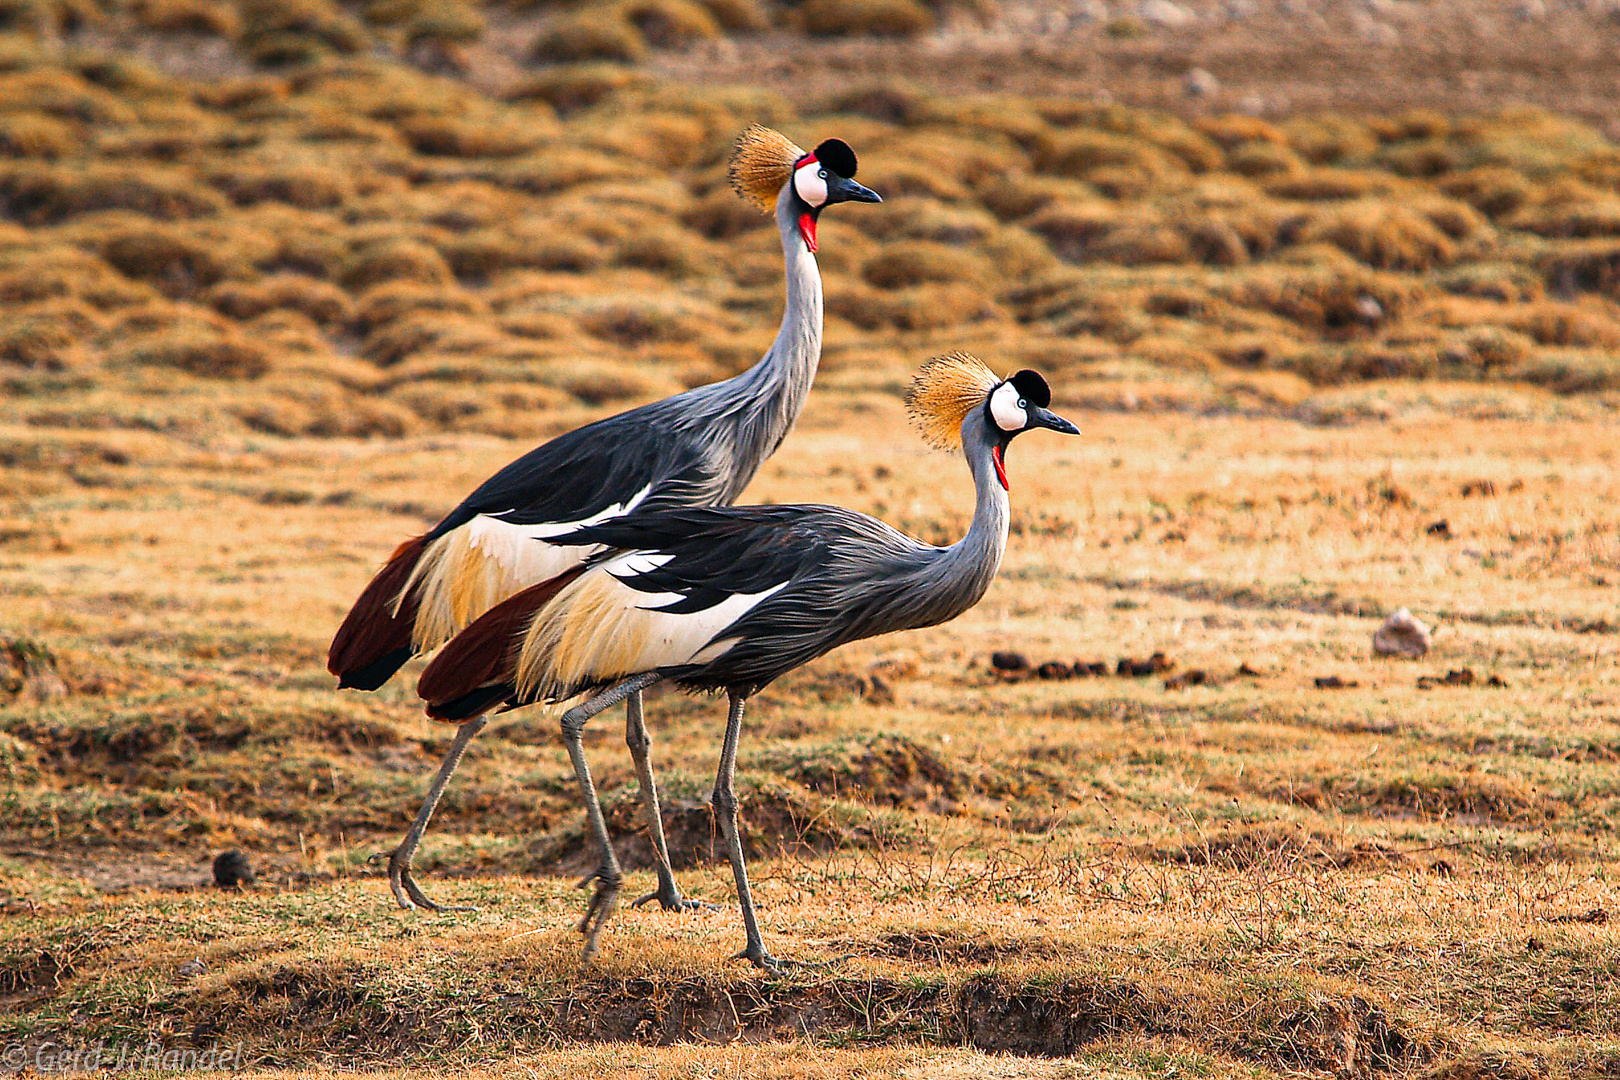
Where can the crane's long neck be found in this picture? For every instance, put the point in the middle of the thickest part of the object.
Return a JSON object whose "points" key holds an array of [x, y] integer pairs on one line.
{"points": [[774, 389], [979, 552], [957, 577]]}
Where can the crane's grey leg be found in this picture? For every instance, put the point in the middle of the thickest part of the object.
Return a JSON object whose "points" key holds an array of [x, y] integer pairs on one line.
{"points": [[725, 808], [668, 893], [406, 893], [607, 875]]}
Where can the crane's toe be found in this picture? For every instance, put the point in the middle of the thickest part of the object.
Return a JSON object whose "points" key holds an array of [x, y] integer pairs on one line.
{"points": [[604, 901], [762, 959], [670, 899], [408, 894], [601, 908]]}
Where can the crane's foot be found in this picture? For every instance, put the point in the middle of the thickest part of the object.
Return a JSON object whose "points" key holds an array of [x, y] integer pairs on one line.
{"points": [[407, 894], [604, 901], [756, 955], [670, 899], [762, 959]]}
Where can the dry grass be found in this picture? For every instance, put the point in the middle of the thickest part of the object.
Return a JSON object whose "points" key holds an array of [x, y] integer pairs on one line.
{"points": [[882, 18], [1248, 876], [255, 331]]}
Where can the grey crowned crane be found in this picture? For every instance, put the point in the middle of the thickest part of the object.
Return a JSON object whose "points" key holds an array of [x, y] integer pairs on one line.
{"points": [[697, 448], [731, 598]]}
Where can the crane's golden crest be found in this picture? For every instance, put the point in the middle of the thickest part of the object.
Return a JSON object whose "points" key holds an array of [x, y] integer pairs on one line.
{"points": [[761, 163], [943, 392]]}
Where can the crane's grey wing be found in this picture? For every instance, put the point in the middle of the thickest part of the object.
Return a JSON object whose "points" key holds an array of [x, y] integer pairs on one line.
{"points": [[592, 473], [808, 572], [682, 592], [515, 530]]}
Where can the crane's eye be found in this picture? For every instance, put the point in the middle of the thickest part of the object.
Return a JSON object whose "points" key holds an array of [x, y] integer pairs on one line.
{"points": [[1022, 404], [822, 173]]}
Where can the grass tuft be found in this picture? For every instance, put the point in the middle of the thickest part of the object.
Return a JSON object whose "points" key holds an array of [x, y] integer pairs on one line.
{"points": [[589, 36], [876, 18]]}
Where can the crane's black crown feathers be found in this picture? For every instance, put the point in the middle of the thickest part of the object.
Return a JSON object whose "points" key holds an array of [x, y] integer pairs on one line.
{"points": [[1032, 387], [838, 157]]}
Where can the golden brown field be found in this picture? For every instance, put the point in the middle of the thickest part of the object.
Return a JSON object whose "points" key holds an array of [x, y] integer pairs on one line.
{"points": [[261, 320]]}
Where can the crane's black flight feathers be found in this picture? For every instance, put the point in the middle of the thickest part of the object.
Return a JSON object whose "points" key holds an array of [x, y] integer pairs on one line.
{"points": [[587, 470]]}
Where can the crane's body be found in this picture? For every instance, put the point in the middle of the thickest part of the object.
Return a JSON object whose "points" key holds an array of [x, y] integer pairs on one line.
{"points": [[521, 526], [524, 524], [731, 598]]}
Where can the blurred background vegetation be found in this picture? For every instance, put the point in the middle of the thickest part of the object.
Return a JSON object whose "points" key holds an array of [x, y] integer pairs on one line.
{"points": [[399, 216]]}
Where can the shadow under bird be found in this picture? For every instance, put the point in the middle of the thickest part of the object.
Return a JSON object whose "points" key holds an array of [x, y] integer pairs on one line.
{"points": [[522, 525], [731, 598]]}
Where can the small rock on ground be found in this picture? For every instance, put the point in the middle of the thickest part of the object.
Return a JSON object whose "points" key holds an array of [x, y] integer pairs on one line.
{"points": [[1200, 84], [1402, 634], [232, 870]]}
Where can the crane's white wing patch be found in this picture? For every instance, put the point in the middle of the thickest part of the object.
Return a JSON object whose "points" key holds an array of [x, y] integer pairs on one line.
{"points": [[599, 628], [472, 568], [545, 530], [636, 563]]}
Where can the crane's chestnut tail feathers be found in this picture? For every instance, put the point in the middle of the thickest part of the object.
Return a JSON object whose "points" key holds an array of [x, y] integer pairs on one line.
{"points": [[373, 675], [375, 639], [471, 706], [475, 669]]}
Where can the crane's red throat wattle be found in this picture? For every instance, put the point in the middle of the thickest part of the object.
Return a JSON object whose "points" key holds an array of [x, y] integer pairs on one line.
{"points": [[807, 229], [1001, 469]]}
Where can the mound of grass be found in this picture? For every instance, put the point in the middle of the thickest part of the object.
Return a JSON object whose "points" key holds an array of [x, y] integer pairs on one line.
{"points": [[45, 337], [395, 258], [1385, 236], [200, 17], [386, 303], [39, 194], [571, 87], [915, 262], [284, 32], [324, 303], [196, 350], [671, 24], [880, 18], [474, 137], [590, 35], [179, 262]]}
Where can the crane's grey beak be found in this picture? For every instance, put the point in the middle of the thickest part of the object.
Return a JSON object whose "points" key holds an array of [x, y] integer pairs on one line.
{"points": [[843, 189], [1046, 418]]}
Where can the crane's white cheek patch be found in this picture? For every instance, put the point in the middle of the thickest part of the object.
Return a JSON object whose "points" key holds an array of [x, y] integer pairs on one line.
{"points": [[808, 183], [1004, 407]]}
